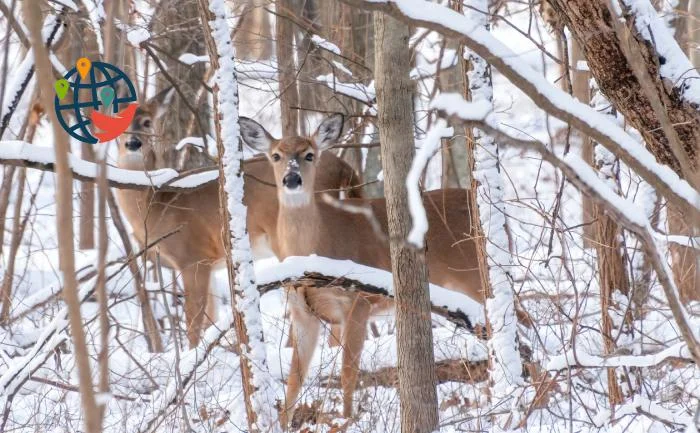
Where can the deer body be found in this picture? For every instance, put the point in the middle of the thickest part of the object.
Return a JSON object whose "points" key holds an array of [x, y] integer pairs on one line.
{"points": [[307, 225], [197, 246]]}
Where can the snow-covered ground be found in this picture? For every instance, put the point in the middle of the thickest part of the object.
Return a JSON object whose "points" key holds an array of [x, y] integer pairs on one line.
{"points": [[555, 277]]}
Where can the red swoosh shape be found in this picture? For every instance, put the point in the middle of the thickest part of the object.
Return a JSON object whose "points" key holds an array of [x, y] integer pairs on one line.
{"points": [[113, 126]]}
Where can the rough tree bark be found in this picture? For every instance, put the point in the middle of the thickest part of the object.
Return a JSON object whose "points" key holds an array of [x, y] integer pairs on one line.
{"points": [[416, 363], [178, 27], [612, 274], [64, 218], [592, 26], [288, 90]]}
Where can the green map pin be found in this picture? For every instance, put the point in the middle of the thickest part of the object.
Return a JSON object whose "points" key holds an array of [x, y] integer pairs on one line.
{"points": [[107, 95], [62, 87]]}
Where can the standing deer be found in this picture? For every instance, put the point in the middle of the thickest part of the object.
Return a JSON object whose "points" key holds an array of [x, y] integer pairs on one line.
{"points": [[307, 225], [198, 246]]}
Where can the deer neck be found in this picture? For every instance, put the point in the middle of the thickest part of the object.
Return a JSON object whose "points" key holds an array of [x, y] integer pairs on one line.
{"points": [[298, 228]]}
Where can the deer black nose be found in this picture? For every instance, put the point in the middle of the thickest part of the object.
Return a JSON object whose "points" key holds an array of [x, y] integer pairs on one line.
{"points": [[292, 180], [133, 143]]}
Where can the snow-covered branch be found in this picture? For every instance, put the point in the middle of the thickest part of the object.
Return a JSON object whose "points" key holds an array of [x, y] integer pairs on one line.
{"points": [[450, 23], [456, 307], [23, 154], [579, 173], [579, 358]]}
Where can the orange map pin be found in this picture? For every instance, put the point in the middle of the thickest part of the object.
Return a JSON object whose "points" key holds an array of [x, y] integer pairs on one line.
{"points": [[83, 64]]}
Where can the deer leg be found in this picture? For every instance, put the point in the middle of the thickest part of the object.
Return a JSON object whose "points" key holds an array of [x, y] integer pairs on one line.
{"points": [[354, 334], [304, 339], [212, 310], [195, 278], [336, 335]]}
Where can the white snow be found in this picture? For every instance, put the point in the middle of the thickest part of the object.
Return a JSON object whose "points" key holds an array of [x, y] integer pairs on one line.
{"points": [[247, 298], [429, 147], [676, 66], [138, 35], [325, 44], [267, 272]]}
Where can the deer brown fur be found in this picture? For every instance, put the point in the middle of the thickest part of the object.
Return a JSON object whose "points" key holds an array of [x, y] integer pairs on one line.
{"points": [[308, 225], [198, 246]]}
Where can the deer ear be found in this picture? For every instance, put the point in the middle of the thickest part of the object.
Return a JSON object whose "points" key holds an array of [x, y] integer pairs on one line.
{"points": [[329, 131], [160, 102], [254, 135]]}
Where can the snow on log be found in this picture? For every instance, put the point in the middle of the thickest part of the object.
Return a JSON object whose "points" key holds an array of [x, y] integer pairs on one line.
{"points": [[456, 307], [676, 67]]}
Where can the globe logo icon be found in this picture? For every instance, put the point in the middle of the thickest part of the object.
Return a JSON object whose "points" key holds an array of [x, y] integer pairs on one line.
{"points": [[101, 89]]}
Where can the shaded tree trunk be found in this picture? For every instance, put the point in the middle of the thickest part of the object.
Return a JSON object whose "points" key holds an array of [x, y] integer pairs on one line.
{"points": [[288, 90], [253, 35], [180, 32], [416, 363], [612, 274], [64, 219]]}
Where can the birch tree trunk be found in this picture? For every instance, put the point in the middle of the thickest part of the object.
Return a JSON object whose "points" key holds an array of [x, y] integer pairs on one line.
{"points": [[64, 218], [504, 356], [416, 363], [245, 299]]}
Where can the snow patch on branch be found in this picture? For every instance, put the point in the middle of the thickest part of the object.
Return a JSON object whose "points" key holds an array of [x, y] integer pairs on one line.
{"points": [[535, 85], [325, 44], [674, 64]]}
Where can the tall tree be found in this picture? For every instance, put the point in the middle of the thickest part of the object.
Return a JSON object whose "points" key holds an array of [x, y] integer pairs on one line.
{"points": [[245, 299], [416, 363], [488, 191], [287, 82], [64, 217]]}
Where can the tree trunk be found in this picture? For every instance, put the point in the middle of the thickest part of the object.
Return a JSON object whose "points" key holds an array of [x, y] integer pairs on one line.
{"points": [[416, 363], [592, 26], [579, 84], [180, 32], [245, 300], [64, 219], [686, 259], [494, 259], [288, 90], [612, 274], [253, 35]]}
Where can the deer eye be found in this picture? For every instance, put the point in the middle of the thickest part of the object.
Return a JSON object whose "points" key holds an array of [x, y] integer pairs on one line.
{"points": [[276, 157], [309, 157], [147, 123]]}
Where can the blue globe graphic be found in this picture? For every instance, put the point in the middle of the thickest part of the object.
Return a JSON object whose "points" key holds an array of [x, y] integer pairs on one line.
{"points": [[85, 95]]}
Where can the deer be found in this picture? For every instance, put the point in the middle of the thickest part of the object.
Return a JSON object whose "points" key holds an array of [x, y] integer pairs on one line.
{"points": [[308, 225], [197, 245]]}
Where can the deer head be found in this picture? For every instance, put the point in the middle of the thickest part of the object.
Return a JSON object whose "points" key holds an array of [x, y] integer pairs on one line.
{"points": [[137, 147], [294, 159]]}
